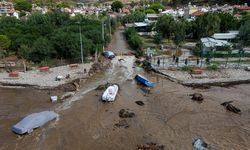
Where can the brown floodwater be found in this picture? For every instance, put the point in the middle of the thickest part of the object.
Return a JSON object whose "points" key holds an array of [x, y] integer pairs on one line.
{"points": [[169, 117]]}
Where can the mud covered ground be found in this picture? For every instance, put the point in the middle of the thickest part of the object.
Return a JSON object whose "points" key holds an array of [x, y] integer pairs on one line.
{"points": [[168, 117]]}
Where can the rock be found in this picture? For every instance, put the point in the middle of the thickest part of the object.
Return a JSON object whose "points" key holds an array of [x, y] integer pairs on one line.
{"points": [[126, 114], [139, 103], [122, 123], [150, 146], [197, 97], [231, 107]]}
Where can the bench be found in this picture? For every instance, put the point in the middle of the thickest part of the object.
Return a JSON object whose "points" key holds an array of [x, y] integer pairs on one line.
{"points": [[14, 74], [44, 69], [196, 71], [73, 66]]}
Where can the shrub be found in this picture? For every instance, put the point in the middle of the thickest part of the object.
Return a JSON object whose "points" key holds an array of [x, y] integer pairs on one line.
{"points": [[212, 67], [186, 68]]}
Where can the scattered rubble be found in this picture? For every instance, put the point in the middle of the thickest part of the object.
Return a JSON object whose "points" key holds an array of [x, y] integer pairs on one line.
{"points": [[230, 107], [126, 114], [67, 95], [103, 86], [99, 66], [139, 103], [150, 146], [122, 123], [197, 97], [53, 99]]}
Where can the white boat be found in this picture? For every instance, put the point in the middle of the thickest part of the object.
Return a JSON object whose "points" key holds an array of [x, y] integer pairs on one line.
{"points": [[110, 93]]}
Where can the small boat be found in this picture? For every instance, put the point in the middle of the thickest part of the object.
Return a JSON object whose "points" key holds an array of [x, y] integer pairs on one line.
{"points": [[33, 121], [110, 93], [144, 81]]}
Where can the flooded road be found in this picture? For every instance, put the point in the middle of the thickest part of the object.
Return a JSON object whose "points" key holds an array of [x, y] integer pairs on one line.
{"points": [[169, 116]]}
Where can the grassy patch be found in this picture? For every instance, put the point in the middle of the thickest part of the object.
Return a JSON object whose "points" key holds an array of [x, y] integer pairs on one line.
{"points": [[186, 68], [212, 67]]}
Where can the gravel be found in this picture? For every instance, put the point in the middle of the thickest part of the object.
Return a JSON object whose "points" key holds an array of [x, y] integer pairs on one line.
{"points": [[224, 75], [45, 79]]}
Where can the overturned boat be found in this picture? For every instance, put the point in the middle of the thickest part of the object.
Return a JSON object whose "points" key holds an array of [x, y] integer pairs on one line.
{"points": [[33, 121], [141, 79], [110, 93]]}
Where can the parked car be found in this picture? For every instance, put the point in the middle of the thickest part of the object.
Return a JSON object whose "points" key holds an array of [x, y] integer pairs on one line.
{"points": [[247, 68], [109, 54], [33, 121]]}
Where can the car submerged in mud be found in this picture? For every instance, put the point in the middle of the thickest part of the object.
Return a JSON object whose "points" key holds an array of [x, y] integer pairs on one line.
{"points": [[108, 54], [33, 121]]}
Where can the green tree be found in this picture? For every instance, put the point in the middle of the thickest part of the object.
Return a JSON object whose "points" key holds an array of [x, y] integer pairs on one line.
{"points": [[156, 7], [244, 34], [207, 24], [149, 11], [165, 25], [158, 38], [4, 44], [228, 22], [136, 42], [25, 51], [42, 50], [136, 16], [116, 6], [178, 33], [23, 5]]}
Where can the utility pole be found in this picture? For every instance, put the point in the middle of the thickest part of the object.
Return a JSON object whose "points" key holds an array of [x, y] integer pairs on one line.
{"points": [[102, 35], [81, 47], [110, 26]]}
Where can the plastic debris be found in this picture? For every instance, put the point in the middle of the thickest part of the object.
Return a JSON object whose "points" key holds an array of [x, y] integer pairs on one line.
{"points": [[53, 98]]}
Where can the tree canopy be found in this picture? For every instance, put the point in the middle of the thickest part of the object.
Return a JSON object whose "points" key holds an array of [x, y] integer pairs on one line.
{"points": [[51, 36], [178, 33], [244, 34], [116, 6], [156, 7], [23, 5], [4, 42], [207, 24], [165, 25], [136, 16]]}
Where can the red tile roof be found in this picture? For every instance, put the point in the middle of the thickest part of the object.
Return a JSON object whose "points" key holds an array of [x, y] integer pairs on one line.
{"points": [[245, 8]]}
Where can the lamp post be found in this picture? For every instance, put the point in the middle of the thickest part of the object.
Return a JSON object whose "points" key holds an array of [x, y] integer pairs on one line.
{"points": [[102, 35], [80, 31]]}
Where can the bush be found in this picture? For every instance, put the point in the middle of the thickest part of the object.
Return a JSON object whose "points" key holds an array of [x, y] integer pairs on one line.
{"points": [[134, 41], [212, 67], [186, 68]]}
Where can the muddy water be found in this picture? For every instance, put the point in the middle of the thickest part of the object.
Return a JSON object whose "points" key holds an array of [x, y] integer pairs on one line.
{"points": [[168, 117]]}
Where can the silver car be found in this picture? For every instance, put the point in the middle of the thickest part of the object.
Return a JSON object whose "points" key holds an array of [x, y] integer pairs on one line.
{"points": [[109, 54], [33, 121]]}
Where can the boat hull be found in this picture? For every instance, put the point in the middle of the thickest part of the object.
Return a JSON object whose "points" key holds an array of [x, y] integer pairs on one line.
{"points": [[110, 93], [144, 81]]}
